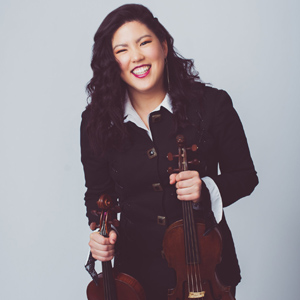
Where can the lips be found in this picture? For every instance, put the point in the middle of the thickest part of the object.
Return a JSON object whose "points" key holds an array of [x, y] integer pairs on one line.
{"points": [[141, 71]]}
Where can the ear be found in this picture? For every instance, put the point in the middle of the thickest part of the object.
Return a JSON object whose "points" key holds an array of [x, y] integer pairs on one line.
{"points": [[165, 47]]}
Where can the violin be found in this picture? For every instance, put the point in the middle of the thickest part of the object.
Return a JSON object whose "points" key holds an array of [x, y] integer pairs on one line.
{"points": [[191, 250], [111, 284]]}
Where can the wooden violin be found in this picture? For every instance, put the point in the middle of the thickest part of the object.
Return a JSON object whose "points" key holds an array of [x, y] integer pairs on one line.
{"points": [[111, 284], [191, 253]]}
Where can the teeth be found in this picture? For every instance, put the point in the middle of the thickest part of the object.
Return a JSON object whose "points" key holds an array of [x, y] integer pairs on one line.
{"points": [[141, 70]]}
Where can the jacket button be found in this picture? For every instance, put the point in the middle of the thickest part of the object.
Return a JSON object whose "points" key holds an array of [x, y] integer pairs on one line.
{"points": [[151, 153], [161, 220], [157, 187], [155, 118]]}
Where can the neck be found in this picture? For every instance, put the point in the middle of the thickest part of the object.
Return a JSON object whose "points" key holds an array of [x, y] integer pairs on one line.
{"points": [[144, 103]]}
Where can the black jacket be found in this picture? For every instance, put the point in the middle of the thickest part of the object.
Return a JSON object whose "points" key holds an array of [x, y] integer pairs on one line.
{"points": [[137, 176]]}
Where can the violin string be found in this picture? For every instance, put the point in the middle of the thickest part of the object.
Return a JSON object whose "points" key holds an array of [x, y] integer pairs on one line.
{"points": [[191, 241], [105, 266], [191, 259], [192, 256], [109, 287], [105, 279], [195, 251], [197, 259], [187, 245], [183, 167], [195, 288], [188, 232]]}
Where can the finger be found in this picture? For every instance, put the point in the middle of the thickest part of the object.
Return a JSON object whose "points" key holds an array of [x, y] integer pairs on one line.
{"points": [[99, 239], [189, 197], [112, 237], [190, 182], [100, 247], [172, 178], [184, 175], [191, 193], [187, 191], [101, 244], [103, 255], [93, 225]]}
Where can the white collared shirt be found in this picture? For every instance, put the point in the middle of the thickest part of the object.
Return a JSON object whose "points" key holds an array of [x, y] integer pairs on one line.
{"points": [[130, 115]]}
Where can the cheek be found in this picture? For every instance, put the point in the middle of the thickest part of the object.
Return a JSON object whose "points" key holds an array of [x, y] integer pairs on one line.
{"points": [[124, 69], [122, 63], [159, 57]]}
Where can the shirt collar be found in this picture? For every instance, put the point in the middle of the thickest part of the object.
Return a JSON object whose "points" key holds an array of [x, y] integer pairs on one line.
{"points": [[131, 115]]}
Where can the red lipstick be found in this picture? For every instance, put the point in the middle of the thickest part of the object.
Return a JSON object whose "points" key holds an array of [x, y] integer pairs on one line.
{"points": [[143, 72]]}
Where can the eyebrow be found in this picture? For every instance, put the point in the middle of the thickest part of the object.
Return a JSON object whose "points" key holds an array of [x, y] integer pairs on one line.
{"points": [[140, 38]]}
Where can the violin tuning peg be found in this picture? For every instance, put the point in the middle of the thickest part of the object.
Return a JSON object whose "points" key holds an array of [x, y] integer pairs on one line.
{"points": [[170, 156], [170, 170], [193, 148]]}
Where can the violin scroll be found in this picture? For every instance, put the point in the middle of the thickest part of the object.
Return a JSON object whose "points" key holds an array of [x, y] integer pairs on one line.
{"points": [[107, 209]]}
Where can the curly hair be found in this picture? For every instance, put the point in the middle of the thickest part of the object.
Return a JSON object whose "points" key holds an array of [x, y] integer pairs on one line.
{"points": [[106, 90]]}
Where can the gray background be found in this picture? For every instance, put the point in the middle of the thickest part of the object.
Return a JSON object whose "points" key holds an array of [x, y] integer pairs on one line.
{"points": [[249, 48]]}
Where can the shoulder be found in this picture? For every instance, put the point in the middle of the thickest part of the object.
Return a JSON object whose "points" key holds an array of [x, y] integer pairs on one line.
{"points": [[210, 95], [209, 100], [85, 117], [86, 114]]}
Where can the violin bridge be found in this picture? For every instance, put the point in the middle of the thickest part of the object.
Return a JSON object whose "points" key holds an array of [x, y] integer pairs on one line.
{"points": [[195, 295]]}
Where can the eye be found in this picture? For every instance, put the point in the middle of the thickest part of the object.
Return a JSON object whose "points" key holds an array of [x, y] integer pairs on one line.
{"points": [[145, 42], [120, 51]]}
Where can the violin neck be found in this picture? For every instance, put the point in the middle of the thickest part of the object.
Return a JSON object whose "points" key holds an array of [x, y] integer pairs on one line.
{"points": [[108, 281], [190, 235]]}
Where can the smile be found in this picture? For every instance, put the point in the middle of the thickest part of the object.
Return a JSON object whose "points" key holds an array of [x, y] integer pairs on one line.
{"points": [[141, 71]]}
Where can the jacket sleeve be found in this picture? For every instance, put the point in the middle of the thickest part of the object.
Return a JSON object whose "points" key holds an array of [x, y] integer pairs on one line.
{"points": [[237, 176], [96, 172]]}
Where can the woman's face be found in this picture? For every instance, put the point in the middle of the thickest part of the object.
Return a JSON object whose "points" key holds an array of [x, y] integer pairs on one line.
{"points": [[141, 57]]}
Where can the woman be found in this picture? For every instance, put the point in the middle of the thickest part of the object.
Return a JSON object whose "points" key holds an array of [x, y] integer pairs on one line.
{"points": [[142, 95]]}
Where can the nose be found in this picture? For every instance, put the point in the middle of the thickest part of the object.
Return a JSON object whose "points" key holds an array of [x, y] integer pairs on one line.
{"points": [[137, 56]]}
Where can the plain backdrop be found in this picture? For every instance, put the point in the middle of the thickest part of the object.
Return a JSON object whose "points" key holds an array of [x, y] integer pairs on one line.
{"points": [[249, 48]]}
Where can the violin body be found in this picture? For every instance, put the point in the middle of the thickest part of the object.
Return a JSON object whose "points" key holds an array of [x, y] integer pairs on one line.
{"points": [[210, 248], [126, 288]]}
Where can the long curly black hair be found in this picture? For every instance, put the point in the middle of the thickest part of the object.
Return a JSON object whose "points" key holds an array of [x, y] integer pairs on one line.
{"points": [[106, 90]]}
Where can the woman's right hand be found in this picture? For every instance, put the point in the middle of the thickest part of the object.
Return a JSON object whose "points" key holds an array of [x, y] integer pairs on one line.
{"points": [[102, 248]]}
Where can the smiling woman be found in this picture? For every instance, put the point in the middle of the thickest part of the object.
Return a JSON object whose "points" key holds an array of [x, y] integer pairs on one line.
{"points": [[142, 95]]}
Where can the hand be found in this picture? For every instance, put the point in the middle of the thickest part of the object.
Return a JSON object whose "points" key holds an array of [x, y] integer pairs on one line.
{"points": [[102, 248], [188, 185]]}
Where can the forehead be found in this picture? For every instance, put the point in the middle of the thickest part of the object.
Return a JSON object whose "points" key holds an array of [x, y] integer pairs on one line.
{"points": [[130, 31]]}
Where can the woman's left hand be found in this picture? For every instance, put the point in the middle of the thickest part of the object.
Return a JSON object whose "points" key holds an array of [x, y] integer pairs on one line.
{"points": [[188, 185]]}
